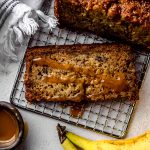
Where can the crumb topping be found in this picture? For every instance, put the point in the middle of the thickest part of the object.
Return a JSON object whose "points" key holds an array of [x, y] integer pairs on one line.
{"points": [[134, 11]]}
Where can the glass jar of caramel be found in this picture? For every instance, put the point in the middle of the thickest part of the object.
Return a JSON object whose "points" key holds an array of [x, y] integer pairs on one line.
{"points": [[11, 127]]}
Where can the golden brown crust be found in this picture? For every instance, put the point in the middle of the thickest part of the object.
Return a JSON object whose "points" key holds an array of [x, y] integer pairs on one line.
{"points": [[133, 11], [32, 77], [56, 9], [125, 20]]}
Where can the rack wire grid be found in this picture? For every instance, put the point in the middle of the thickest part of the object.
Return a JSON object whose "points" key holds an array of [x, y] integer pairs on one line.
{"points": [[111, 118]]}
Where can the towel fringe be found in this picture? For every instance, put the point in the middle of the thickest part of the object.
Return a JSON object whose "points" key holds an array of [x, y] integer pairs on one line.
{"points": [[28, 25], [45, 21], [25, 27]]}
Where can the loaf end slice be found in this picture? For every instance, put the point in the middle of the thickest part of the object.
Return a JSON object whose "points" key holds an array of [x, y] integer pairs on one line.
{"points": [[120, 20]]}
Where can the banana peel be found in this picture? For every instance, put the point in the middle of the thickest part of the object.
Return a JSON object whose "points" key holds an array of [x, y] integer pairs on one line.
{"points": [[67, 145], [137, 143], [141, 142]]}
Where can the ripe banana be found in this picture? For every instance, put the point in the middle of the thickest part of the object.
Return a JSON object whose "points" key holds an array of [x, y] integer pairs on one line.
{"points": [[141, 142], [67, 145]]}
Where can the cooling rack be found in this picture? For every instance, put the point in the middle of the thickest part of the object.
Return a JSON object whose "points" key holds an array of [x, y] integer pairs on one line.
{"points": [[111, 118]]}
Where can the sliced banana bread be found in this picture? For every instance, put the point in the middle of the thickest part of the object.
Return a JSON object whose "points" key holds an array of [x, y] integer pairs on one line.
{"points": [[80, 72], [126, 20]]}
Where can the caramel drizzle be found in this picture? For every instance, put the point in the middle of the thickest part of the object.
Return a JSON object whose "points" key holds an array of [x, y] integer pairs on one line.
{"points": [[55, 65], [54, 79], [117, 83]]}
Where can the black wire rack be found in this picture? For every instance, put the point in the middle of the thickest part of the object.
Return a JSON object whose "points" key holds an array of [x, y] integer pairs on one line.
{"points": [[111, 118]]}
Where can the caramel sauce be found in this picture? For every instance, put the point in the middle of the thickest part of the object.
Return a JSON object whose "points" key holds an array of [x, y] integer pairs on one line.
{"points": [[55, 65], [116, 82], [9, 128], [76, 111], [54, 79]]}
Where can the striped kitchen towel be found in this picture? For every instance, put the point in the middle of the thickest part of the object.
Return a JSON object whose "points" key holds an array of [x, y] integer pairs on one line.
{"points": [[18, 22]]}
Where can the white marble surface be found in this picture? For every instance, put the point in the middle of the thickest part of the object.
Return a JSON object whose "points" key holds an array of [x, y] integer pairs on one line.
{"points": [[42, 133]]}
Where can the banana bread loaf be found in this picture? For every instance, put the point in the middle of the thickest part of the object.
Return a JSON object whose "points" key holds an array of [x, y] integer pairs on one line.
{"points": [[125, 20], [80, 72]]}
